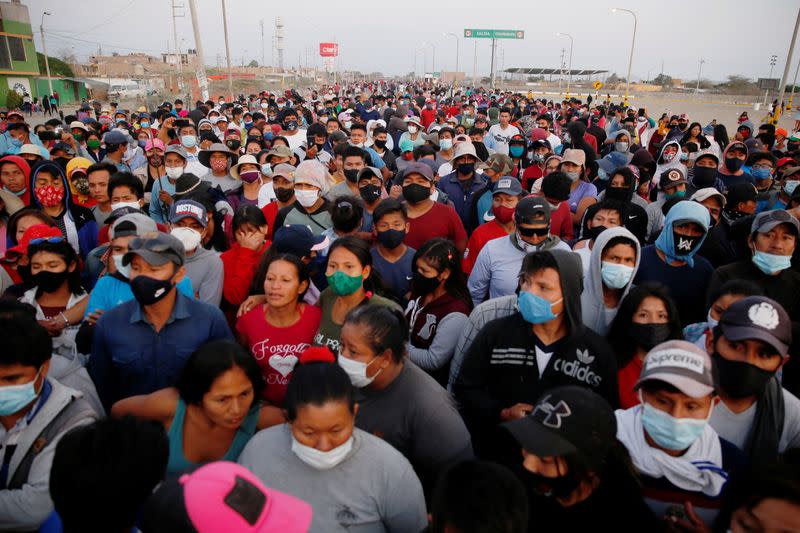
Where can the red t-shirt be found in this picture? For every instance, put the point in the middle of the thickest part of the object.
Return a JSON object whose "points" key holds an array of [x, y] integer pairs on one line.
{"points": [[561, 222], [627, 376], [482, 234], [531, 174], [276, 350], [439, 221]]}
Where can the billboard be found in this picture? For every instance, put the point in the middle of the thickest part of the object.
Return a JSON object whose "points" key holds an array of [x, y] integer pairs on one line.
{"points": [[328, 49]]}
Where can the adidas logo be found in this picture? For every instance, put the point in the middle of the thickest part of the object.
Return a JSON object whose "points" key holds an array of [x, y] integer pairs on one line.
{"points": [[584, 357]]}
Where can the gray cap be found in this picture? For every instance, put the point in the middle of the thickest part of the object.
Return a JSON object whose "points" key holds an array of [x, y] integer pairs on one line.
{"points": [[681, 364], [177, 149], [419, 168], [507, 185], [132, 224], [366, 171], [758, 318], [767, 220], [338, 136], [529, 208], [156, 249], [115, 137]]}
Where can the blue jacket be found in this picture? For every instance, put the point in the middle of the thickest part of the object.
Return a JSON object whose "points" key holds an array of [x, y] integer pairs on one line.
{"points": [[7, 147], [461, 196]]}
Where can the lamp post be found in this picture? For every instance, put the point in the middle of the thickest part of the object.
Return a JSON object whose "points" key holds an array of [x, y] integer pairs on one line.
{"points": [[456, 72], [569, 73], [433, 61], [699, 70], [44, 49], [633, 43]]}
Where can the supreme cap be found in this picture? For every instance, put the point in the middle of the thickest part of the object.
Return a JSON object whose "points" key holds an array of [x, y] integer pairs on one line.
{"points": [[681, 364]]}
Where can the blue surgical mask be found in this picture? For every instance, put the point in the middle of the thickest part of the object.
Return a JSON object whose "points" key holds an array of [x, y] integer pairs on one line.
{"points": [[188, 141], [684, 156], [761, 173], [602, 174], [266, 169], [669, 432], [771, 263], [535, 309], [144, 124], [445, 144], [789, 186], [516, 151], [15, 397], [615, 275], [16, 142]]}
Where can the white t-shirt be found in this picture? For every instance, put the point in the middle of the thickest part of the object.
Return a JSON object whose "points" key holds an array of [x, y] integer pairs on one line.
{"points": [[736, 427], [297, 140], [502, 136]]}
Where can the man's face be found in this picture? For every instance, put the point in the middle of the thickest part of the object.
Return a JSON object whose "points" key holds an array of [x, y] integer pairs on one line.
{"points": [[124, 194], [534, 232], [12, 177], [45, 178], [714, 208], [505, 200], [690, 229], [620, 254], [18, 133], [191, 223], [118, 246], [357, 136], [605, 217], [754, 352], [353, 163], [705, 162], [18, 374], [737, 153], [780, 240], [679, 405], [98, 186], [546, 284], [505, 117], [169, 270], [174, 160]]}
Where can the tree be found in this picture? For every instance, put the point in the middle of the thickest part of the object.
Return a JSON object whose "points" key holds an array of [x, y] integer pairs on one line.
{"points": [[737, 84], [253, 63], [13, 99], [67, 56], [663, 79], [611, 80], [57, 67]]}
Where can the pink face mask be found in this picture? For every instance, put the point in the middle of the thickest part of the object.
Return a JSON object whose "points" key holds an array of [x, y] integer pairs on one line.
{"points": [[219, 166]]}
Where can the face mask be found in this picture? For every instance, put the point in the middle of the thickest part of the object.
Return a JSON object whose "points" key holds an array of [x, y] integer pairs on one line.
{"points": [[554, 487], [351, 174], [233, 144], [124, 270], [141, 143], [117, 205], [538, 158], [621, 147], [711, 322], [594, 232], [155, 160], [413, 129], [144, 124], [445, 144], [16, 142], [49, 196], [248, 125], [669, 432], [566, 137], [620, 194], [174, 173], [740, 380], [380, 144], [13, 398], [676, 194], [283, 195], [668, 157], [684, 245], [647, 336], [466, 169], [322, 460], [684, 156], [347, 124], [416, 193], [291, 125], [503, 214], [264, 105], [266, 169], [343, 285], [281, 106], [733, 163], [704, 177], [391, 238], [306, 198], [423, 285], [219, 166], [357, 371], [771, 263], [148, 291], [81, 184], [615, 275], [93, 144], [535, 309], [516, 151], [189, 238], [370, 193], [78, 136], [130, 152], [573, 176], [789, 186], [188, 141], [251, 176], [49, 281]]}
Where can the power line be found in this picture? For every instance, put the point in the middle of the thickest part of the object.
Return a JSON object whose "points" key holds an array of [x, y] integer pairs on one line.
{"points": [[105, 20]]}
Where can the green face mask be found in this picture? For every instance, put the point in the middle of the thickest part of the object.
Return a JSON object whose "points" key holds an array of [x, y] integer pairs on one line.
{"points": [[676, 194], [343, 285], [93, 144]]}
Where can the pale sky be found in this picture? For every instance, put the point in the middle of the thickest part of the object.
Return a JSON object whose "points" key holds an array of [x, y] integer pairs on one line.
{"points": [[733, 36]]}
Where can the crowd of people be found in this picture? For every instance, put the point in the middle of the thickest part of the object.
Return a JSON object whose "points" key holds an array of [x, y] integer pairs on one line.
{"points": [[398, 307]]}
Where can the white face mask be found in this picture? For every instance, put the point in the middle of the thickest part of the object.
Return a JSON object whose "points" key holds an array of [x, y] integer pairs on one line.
{"points": [[306, 198], [357, 371], [412, 130], [322, 460], [121, 269], [174, 173], [711, 322], [189, 238], [134, 205]]}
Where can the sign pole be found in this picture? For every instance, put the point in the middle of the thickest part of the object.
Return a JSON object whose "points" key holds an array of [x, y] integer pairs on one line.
{"points": [[491, 68]]}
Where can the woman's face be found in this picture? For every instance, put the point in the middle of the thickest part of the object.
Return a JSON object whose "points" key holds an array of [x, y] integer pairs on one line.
{"points": [[282, 286], [617, 181], [50, 262], [651, 311], [323, 427], [229, 399], [552, 166], [24, 223], [342, 259], [355, 345], [696, 131]]}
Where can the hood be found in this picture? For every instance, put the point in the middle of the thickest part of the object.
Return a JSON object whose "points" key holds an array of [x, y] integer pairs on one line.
{"points": [[722, 169], [570, 271], [683, 211], [643, 158], [56, 169], [749, 125], [617, 133], [592, 305], [23, 165], [662, 167]]}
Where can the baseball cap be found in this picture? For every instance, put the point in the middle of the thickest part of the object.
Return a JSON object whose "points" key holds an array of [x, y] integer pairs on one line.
{"points": [[498, 163], [115, 137], [701, 195], [177, 149], [367, 171], [224, 496], [298, 240], [464, 148], [33, 233], [188, 209], [784, 161], [338, 136], [767, 220], [565, 421], [285, 170], [153, 143], [62, 146], [77, 124], [681, 364], [573, 155], [280, 151], [508, 185], [672, 177], [530, 207], [132, 224], [156, 248], [419, 168], [313, 173], [758, 318]]}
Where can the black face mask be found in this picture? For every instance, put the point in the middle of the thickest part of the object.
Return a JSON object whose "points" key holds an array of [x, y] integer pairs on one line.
{"points": [[351, 174], [619, 194], [704, 177], [370, 193], [391, 238], [466, 169], [648, 336], [593, 233], [554, 487], [283, 195], [233, 144], [415, 193], [254, 139], [733, 163], [380, 144], [423, 285], [148, 291], [48, 281], [739, 379], [684, 245]]}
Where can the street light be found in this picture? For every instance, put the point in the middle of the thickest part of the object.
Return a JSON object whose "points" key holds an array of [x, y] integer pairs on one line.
{"points": [[633, 43], [455, 81], [433, 62], [44, 49], [699, 70], [569, 74]]}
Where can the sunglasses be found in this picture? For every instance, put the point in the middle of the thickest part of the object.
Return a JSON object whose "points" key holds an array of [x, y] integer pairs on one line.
{"points": [[40, 240], [149, 244], [530, 232]]}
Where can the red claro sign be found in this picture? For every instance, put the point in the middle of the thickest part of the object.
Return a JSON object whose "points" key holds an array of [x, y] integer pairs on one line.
{"points": [[328, 49]]}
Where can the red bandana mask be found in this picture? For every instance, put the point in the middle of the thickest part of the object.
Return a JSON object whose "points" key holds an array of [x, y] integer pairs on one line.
{"points": [[49, 195]]}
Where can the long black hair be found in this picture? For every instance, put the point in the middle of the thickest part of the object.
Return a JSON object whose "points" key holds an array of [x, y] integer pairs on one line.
{"points": [[721, 136], [359, 248], [442, 254], [209, 362], [704, 143]]}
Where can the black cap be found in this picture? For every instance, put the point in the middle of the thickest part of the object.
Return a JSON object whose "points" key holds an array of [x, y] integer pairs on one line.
{"points": [[758, 318], [531, 207], [298, 240], [568, 420]]}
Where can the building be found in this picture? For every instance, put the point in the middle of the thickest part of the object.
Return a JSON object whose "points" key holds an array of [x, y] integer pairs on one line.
{"points": [[19, 66]]}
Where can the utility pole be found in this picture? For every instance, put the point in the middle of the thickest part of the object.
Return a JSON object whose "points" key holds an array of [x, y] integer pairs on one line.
{"points": [[777, 113], [561, 70], [263, 61], [491, 68], [227, 50], [699, 70], [475, 65], [202, 79], [791, 95], [44, 49], [772, 60], [175, 7]]}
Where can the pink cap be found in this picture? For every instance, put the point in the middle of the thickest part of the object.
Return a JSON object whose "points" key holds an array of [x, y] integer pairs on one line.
{"points": [[153, 143], [226, 497]]}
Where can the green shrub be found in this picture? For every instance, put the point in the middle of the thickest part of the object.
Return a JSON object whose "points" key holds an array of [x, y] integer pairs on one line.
{"points": [[13, 99]]}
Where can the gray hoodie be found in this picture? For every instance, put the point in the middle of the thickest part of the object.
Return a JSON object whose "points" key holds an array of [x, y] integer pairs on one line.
{"points": [[596, 316], [205, 271]]}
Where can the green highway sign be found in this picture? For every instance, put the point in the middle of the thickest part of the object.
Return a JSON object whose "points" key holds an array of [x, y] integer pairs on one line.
{"points": [[493, 34]]}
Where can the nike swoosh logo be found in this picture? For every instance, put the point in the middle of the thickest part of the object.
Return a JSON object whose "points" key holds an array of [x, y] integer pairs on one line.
{"points": [[408, 278], [631, 216]]}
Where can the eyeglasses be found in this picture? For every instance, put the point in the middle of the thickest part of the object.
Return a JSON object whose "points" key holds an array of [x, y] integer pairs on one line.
{"points": [[40, 240], [530, 232]]}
